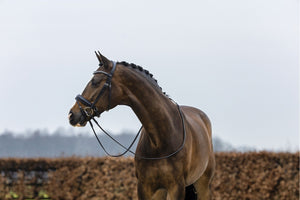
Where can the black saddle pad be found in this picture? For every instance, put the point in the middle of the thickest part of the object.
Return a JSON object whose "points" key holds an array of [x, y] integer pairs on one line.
{"points": [[190, 193]]}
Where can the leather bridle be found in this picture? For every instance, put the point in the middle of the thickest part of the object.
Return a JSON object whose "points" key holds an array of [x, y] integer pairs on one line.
{"points": [[91, 110]]}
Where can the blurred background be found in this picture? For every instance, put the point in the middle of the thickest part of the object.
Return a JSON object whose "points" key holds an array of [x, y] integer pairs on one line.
{"points": [[238, 61]]}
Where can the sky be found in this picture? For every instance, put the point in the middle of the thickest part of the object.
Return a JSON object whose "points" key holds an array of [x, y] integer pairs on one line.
{"points": [[236, 60]]}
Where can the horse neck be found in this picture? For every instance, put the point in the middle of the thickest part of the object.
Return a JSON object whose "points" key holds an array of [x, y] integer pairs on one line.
{"points": [[157, 113]]}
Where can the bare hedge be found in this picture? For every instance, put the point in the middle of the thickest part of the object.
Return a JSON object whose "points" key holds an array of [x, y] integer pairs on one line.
{"points": [[250, 176]]}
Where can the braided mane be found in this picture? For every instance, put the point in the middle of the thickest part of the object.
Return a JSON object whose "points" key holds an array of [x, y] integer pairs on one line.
{"points": [[144, 72]]}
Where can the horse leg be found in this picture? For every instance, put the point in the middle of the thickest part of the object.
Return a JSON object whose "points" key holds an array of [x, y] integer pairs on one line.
{"points": [[160, 194], [202, 185], [177, 192], [202, 188], [144, 193]]}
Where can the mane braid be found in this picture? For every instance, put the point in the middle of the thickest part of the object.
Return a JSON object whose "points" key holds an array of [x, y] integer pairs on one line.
{"points": [[144, 71]]}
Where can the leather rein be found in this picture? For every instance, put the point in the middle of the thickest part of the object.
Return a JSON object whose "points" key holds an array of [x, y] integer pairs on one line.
{"points": [[90, 111]]}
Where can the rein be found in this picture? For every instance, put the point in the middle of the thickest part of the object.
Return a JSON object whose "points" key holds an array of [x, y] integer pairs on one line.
{"points": [[90, 111]]}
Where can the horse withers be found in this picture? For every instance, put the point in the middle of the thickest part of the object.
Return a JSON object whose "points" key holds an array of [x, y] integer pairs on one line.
{"points": [[174, 158]]}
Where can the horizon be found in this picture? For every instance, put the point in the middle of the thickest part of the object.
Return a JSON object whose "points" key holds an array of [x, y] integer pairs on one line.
{"points": [[71, 133]]}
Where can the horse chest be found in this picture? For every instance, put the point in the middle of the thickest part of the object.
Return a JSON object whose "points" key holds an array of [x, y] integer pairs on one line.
{"points": [[155, 171]]}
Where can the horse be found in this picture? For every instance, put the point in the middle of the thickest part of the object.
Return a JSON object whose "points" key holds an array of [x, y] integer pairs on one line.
{"points": [[174, 155]]}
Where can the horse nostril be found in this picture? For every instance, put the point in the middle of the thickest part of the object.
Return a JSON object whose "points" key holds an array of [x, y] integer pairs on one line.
{"points": [[70, 116]]}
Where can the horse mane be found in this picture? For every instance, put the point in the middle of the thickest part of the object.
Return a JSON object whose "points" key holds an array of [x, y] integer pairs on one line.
{"points": [[144, 72]]}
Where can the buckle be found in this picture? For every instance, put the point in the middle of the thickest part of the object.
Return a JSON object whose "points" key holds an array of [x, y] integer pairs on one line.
{"points": [[107, 84], [89, 111]]}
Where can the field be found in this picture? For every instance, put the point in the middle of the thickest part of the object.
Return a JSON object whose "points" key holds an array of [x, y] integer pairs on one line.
{"points": [[256, 176]]}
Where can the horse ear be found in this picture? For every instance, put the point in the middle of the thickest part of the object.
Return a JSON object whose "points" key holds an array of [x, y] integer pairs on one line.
{"points": [[103, 61]]}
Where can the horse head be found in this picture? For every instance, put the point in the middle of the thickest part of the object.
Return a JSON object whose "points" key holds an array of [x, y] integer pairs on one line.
{"points": [[102, 92]]}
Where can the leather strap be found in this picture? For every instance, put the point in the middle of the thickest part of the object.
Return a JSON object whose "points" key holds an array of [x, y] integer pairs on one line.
{"points": [[92, 106]]}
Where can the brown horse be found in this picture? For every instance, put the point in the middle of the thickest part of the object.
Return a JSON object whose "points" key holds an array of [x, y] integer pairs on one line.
{"points": [[171, 167]]}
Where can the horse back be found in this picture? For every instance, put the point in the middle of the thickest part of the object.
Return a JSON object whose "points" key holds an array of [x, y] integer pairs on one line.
{"points": [[194, 115]]}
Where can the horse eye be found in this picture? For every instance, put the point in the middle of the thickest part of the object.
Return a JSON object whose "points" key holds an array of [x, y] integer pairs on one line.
{"points": [[95, 82]]}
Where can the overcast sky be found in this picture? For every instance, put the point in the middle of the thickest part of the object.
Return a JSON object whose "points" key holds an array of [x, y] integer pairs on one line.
{"points": [[236, 60]]}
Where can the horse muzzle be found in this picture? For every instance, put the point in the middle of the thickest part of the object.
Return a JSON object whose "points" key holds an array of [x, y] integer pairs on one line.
{"points": [[77, 119]]}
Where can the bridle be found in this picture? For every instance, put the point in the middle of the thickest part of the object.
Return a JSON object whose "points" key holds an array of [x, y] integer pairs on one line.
{"points": [[90, 111]]}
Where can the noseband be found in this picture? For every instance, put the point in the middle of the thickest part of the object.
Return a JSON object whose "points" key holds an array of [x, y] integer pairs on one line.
{"points": [[91, 110]]}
